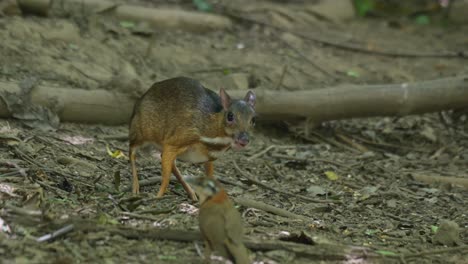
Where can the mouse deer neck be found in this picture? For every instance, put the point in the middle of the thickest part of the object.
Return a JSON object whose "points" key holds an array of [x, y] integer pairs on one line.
{"points": [[219, 125]]}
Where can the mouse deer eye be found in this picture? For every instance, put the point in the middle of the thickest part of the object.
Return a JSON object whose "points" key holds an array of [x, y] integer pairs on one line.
{"points": [[230, 117]]}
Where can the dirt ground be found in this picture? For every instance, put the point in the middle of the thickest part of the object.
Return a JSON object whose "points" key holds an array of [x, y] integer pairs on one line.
{"points": [[363, 179]]}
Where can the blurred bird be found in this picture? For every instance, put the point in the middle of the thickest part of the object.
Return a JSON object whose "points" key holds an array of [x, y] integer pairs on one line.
{"points": [[220, 222]]}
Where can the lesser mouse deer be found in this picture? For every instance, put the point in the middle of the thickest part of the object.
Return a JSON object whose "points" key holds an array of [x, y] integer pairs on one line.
{"points": [[188, 122]]}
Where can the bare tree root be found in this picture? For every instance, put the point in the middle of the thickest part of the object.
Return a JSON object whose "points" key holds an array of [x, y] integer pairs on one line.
{"points": [[159, 18]]}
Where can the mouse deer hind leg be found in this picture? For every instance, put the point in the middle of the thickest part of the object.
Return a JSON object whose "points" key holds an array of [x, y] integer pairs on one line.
{"points": [[168, 157], [187, 187], [132, 155]]}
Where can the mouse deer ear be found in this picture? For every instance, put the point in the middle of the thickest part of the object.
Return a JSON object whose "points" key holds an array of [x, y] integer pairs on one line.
{"points": [[225, 99], [250, 99]]}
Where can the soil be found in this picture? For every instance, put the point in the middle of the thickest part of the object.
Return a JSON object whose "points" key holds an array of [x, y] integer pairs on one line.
{"points": [[363, 173]]}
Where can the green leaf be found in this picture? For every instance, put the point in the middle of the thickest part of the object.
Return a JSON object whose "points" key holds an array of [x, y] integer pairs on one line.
{"points": [[386, 253], [363, 7], [370, 232], [434, 228], [332, 176], [202, 5], [226, 71], [352, 74], [422, 20], [73, 46], [127, 24], [106, 219]]}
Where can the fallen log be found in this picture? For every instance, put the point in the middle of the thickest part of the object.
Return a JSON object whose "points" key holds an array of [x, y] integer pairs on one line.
{"points": [[341, 102], [36, 7], [159, 18], [433, 179]]}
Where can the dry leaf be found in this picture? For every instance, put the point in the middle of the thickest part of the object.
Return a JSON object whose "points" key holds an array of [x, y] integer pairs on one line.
{"points": [[332, 176]]}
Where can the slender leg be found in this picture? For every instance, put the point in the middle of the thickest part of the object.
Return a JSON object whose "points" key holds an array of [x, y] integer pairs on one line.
{"points": [[187, 187], [135, 185], [209, 169], [168, 157]]}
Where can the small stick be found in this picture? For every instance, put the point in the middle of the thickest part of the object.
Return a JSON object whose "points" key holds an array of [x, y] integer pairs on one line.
{"points": [[280, 156], [121, 137], [198, 249], [352, 143], [326, 73], [280, 82], [459, 249], [248, 177], [389, 145], [148, 182], [157, 211], [225, 181], [254, 156], [269, 208], [22, 211], [56, 234], [328, 141], [138, 216], [430, 179], [350, 47]]}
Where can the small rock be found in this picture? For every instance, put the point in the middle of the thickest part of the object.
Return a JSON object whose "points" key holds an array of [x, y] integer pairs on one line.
{"points": [[392, 203], [315, 190], [63, 31], [291, 39], [448, 234], [334, 10], [429, 133], [280, 21]]}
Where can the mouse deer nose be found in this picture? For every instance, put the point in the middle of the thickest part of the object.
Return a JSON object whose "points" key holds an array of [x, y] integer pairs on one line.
{"points": [[243, 138]]}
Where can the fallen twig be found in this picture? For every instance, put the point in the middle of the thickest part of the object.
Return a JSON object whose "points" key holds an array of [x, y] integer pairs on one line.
{"points": [[226, 181], [251, 179], [460, 249], [256, 155], [326, 73], [280, 156], [348, 46], [55, 234], [306, 136], [430, 179], [148, 182], [122, 137], [283, 73], [139, 216], [352, 143], [269, 208], [388, 145], [22, 211]]}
